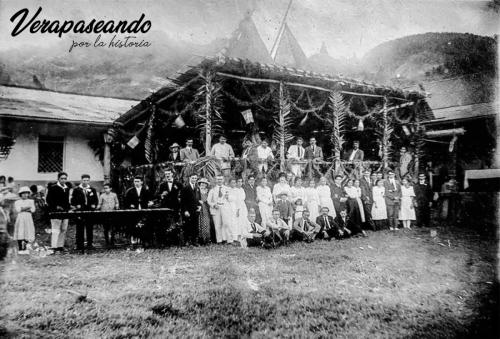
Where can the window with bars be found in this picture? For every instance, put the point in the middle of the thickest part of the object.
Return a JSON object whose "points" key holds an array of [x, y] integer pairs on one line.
{"points": [[50, 154]]}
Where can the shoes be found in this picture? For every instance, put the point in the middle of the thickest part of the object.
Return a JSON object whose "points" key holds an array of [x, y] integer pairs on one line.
{"points": [[23, 252]]}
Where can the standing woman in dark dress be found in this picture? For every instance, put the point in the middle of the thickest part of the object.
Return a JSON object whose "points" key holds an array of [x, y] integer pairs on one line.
{"points": [[204, 225], [354, 203]]}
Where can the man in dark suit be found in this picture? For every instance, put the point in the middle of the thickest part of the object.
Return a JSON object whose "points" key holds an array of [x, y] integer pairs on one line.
{"points": [[328, 227], [392, 199], [58, 201], [137, 197], [251, 196], [366, 184], [355, 154], [339, 196], [349, 228], [423, 195], [84, 198], [168, 193], [313, 153], [190, 208]]}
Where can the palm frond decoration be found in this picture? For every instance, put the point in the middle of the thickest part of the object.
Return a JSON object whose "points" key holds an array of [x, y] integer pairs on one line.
{"points": [[283, 123], [206, 167], [336, 118], [149, 149], [208, 115], [385, 130], [419, 139]]}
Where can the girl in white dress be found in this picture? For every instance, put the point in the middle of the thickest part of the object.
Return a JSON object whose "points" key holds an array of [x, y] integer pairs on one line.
{"points": [[407, 210], [265, 201], [24, 229], [242, 212], [379, 209], [228, 212], [325, 197], [298, 191], [312, 200]]}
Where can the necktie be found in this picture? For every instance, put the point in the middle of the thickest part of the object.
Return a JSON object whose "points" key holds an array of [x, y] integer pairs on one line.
{"points": [[190, 151], [327, 223], [305, 226], [313, 149], [220, 191], [253, 227], [300, 153]]}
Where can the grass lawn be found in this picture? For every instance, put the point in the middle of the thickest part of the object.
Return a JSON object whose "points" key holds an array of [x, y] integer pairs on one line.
{"points": [[389, 285]]}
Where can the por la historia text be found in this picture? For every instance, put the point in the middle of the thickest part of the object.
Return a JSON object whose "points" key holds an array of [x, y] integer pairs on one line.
{"points": [[115, 42], [20, 18]]}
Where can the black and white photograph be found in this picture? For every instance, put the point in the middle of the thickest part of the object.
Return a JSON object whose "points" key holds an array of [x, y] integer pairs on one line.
{"points": [[249, 169]]}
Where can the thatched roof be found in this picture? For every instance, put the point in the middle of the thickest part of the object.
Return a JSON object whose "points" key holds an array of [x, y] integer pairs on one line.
{"points": [[189, 82]]}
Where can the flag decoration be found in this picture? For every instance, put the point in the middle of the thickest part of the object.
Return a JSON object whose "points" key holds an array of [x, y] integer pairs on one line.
{"points": [[304, 119], [406, 129], [361, 126], [132, 143], [179, 122], [248, 116]]}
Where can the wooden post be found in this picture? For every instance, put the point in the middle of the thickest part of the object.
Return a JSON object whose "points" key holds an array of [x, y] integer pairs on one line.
{"points": [[208, 114], [108, 138], [283, 101], [384, 141]]}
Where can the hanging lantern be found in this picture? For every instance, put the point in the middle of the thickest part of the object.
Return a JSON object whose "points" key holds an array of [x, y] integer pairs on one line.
{"points": [[248, 116], [406, 129], [179, 122], [132, 143], [361, 125]]}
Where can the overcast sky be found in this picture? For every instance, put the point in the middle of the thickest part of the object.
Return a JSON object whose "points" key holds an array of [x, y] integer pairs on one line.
{"points": [[348, 27]]}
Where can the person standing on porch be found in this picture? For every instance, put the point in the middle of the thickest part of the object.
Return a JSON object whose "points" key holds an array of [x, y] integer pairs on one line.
{"points": [[58, 201], [355, 154], [223, 152], [84, 198], [313, 153], [392, 199], [296, 153], [264, 155], [174, 153], [404, 161], [189, 154]]}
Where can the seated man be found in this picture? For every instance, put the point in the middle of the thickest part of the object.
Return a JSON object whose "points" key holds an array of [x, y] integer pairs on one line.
{"points": [[280, 231], [328, 227], [349, 228], [304, 229], [256, 234]]}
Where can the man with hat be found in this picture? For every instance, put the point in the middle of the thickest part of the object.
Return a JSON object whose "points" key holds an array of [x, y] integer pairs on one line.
{"points": [[423, 193], [174, 155], [189, 154], [223, 152]]}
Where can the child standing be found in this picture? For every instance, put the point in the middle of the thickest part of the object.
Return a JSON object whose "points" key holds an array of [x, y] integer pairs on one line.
{"points": [[108, 201], [299, 208], [24, 229]]}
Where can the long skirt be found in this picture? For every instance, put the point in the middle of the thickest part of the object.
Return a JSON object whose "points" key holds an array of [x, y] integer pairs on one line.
{"points": [[204, 224], [24, 229], [266, 213], [229, 227], [356, 212], [313, 208], [407, 211]]}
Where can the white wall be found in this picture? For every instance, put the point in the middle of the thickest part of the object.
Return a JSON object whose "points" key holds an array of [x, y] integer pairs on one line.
{"points": [[78, 158]]}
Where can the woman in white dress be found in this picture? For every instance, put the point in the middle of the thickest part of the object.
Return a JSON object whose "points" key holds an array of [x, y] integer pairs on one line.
{"points": [[407, 210], [325, 197], [24, 229], [264, 201], [281, 187], [298, 191], [354, 203], [312, 200], [379, 209], [228, 212], [242, 212]]}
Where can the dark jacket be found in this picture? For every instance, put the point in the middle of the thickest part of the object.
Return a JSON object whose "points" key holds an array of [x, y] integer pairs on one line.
{"points": [[351, 226], [57, 197], [176, 159], [190, 199], [170, 198], [320, 220], [337, 193], [84, 198], [286, 209], [366, 190], [359, 156], [132, 200], [423, 194], [392, 194], [250, 193]]}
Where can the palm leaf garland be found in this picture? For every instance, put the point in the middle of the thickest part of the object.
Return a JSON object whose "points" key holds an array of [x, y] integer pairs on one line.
{"points": [[385, 130], [206, 167], [148, 143], [336, 119], [283, 123], [208, 115], [419, 138]]}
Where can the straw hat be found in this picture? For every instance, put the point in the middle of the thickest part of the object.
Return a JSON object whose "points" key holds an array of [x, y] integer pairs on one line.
{"points": [[174, 145], [24, 189], [203, 181]]}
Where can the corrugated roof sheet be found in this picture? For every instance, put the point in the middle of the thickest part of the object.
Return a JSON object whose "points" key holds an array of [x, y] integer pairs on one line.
{"points": [[18, 102], [464, 112]]}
